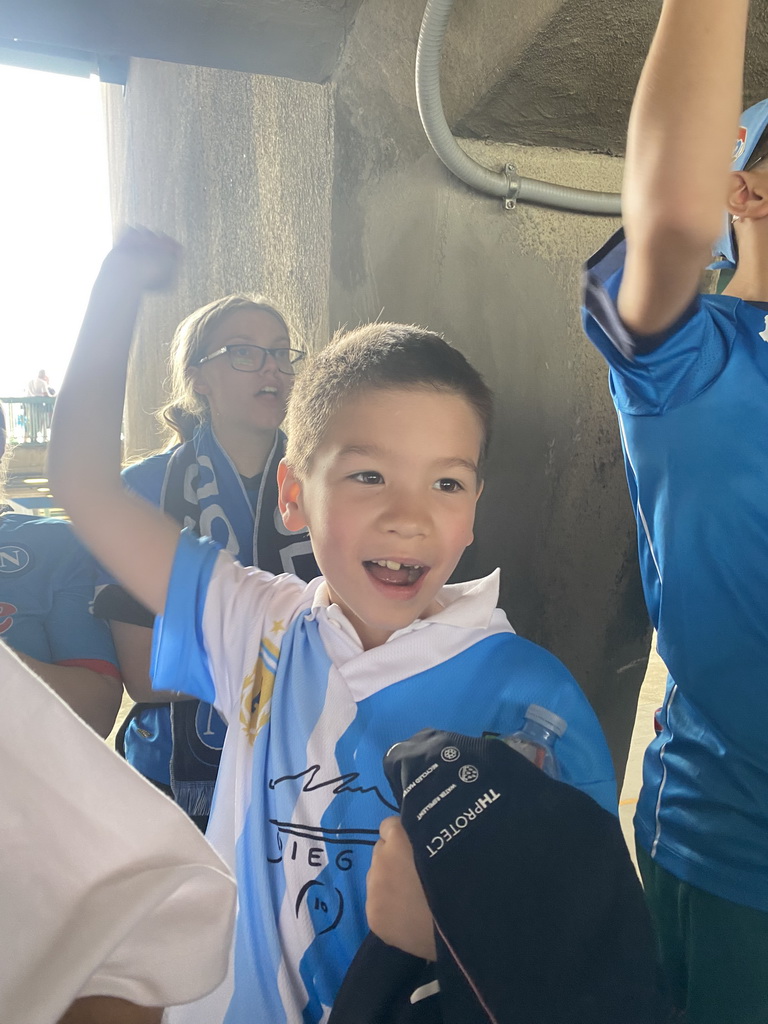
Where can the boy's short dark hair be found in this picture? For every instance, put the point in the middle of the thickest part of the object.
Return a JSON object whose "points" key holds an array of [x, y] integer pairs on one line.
{"points": [[379, 357]]}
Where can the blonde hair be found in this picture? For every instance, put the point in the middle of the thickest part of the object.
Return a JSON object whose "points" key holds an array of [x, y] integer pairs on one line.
{"points": [[186, 409]]}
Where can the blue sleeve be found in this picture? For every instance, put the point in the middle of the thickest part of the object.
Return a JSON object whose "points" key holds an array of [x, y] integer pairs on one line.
{"points": [[146, 478], [507, 674], [179, 658], [534, 676], [74, 635], [652, 375]]}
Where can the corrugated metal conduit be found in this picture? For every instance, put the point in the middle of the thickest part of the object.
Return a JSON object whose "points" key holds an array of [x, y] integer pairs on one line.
{"points": [[507, 184]]}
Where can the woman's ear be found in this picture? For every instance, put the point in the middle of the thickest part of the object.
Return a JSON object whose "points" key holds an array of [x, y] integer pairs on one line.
{"points": [[738, 194], [196, 380], [289, 498], [748, 195]]}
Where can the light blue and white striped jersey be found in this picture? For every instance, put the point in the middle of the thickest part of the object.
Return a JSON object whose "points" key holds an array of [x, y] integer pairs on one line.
{"points": [[301, 789], [693, 416]]}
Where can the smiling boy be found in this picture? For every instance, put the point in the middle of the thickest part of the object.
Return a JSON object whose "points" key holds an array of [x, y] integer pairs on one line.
{"points": [[389, 549], [388, 428]]}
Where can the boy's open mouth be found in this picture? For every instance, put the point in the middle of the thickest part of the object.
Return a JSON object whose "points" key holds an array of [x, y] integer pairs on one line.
{"points": [[398, 574]]}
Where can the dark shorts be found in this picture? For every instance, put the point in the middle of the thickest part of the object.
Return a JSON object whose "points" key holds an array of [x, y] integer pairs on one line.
{"points": [[714, 952]]}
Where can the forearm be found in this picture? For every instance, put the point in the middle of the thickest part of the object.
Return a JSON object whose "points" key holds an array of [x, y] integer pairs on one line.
{"points": [[91, 695], [134, 540], [106, 1010], [134, 653], [683, 122], [95, 381]]}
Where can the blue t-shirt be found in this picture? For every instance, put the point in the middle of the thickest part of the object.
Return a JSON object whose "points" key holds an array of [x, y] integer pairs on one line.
{"points": [[199, 486], [301, 790], [148, 740], [693, 416], [46, 586]]}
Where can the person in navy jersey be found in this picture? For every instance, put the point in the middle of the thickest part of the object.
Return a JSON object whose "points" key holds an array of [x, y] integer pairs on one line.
{"points": [[232, 366], [689, 378], [46, 586], [388, 428]]}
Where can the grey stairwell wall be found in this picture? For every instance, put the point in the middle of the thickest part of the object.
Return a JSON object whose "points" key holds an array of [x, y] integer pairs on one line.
{"points": [[329, 200], [237, 167]]}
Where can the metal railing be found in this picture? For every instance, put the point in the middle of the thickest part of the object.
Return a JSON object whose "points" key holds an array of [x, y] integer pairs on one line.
{"points": [[28, 419]]}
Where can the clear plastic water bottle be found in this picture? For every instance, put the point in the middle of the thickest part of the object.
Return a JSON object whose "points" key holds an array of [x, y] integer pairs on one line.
{"points": [[536, 739]]}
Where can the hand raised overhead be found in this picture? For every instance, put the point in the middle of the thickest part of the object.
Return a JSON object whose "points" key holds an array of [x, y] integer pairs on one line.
{"points": [[150, 259]]}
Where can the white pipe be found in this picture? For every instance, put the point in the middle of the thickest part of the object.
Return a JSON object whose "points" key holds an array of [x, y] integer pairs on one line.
{"points": [[504, 184]]}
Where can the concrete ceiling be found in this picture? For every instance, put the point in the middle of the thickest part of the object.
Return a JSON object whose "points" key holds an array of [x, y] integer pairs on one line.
{"points": [[572, 84], [293, 38], [555, 73]]}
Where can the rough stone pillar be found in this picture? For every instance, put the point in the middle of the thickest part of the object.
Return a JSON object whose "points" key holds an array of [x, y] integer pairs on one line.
{"points": [[237, 167]]}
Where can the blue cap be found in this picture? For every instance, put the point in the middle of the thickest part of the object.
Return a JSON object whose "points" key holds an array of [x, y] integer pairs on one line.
{"points": [[754, 121]]}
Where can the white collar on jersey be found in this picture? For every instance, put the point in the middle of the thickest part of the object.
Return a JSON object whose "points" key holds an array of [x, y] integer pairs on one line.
{"points": [[470, 605]]}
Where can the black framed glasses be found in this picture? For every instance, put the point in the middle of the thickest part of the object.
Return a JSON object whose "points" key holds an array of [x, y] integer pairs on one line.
{"points": [[251, 358]]}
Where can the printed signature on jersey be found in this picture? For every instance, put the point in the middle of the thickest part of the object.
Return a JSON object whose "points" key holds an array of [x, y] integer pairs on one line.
{"points": [[316, 847]]}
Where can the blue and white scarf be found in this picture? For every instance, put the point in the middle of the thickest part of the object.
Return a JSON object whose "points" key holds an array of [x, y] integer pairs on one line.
{"points": [[203, 490]]}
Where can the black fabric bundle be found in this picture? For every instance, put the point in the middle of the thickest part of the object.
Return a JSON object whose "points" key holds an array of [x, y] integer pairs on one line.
{"points": [[539, 914]]}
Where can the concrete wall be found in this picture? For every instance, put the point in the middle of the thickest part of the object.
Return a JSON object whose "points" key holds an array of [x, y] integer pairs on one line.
{"points": [[411, 243], [505, 288], [329, 198], [237, 167]]}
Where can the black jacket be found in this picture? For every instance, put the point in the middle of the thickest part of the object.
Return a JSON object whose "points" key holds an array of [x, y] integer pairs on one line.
{"points": [[539, 914]]}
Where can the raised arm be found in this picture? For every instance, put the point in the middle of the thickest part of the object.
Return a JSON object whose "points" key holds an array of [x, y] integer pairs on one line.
{"points": [[681, 135], [134, 540]]}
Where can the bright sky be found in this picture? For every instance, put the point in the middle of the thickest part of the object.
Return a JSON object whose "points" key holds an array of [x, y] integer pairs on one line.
{"points": [[56, 228]]}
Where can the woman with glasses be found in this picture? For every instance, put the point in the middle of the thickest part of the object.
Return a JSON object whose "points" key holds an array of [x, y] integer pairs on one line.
{"points": [[232, 365]]}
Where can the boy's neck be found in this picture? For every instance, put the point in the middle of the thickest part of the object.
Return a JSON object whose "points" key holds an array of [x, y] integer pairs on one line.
{"points": [[750, 279]]}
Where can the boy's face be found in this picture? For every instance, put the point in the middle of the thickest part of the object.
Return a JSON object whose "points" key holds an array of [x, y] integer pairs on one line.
{"points": [[389, 502]]}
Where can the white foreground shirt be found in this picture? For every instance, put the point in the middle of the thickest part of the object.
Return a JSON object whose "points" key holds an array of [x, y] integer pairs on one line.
{"points": [[106, 888]]}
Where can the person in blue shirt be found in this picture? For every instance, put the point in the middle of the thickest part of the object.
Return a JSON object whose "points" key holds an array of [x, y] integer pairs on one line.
{"points": [[46, 586], [689, 378], [387, 431], [232, 365]]}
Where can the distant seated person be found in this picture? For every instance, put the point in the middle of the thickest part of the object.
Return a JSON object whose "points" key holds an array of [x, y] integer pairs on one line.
{"points": [[46, 584], [40, 386], [100, 924], [37, 415]]}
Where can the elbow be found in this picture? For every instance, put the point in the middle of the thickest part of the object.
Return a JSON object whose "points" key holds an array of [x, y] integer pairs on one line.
{"points": [[77, 486], [60, 479], [672, 245], [103, 713], [675, 232]]}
